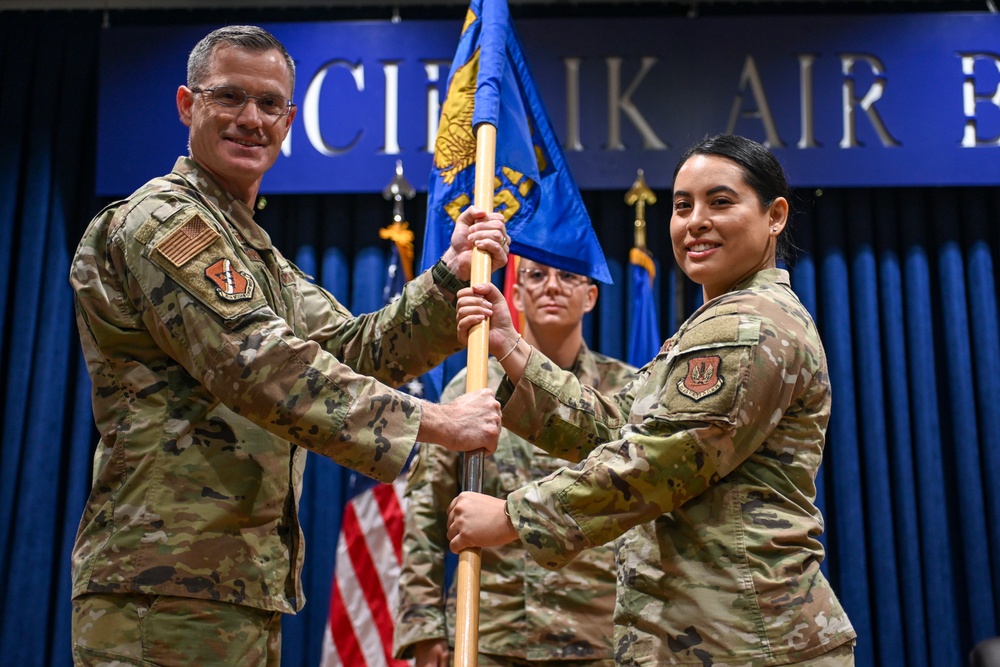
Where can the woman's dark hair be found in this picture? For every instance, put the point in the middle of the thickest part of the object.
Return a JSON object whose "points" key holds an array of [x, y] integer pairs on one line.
{"points": [[761, 171]]}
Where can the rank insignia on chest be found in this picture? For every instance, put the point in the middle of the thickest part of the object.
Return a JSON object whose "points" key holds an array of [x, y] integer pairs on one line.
{"points": [[704, 377], [230, 284]]}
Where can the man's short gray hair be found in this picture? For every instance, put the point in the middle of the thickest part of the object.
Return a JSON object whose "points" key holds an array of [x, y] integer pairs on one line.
{"points": [[247, 37]]}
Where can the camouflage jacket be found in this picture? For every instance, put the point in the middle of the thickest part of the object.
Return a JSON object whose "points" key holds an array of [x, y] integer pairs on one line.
{"points": [[526, 611], [703, 469], [214, 362]]}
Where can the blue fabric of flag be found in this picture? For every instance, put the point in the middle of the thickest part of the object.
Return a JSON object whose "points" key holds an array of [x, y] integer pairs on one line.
{"points": [[490, 83], [644, 335]]}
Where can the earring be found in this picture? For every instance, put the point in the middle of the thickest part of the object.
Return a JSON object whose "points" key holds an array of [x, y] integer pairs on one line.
{"points": [[774, 229]]}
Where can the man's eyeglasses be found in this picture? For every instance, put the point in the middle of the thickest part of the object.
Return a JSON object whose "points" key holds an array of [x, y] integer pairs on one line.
{"points": [[236, 98], [535, 279]]}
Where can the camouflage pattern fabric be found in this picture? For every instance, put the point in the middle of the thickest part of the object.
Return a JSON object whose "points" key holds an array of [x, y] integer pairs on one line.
{"points": [[215, 364], [491, 660], [526, 611], [703, 469], [118, 630]]}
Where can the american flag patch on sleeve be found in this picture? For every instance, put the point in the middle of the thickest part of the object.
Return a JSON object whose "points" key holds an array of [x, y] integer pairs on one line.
{"points": [[182, 244]]}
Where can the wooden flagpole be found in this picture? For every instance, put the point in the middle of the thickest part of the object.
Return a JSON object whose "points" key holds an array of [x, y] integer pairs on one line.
{"points": [[470, 560]]}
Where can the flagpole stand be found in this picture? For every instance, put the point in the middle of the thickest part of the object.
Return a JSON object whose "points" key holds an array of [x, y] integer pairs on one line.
{"points": [[470, 560]]}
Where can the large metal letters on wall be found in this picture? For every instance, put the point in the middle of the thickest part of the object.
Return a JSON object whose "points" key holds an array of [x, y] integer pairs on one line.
{"points": [[908, 99]]}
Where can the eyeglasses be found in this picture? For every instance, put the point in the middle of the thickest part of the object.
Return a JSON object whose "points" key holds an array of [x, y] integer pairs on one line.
{"points": [[236, 98], [535, 279]]}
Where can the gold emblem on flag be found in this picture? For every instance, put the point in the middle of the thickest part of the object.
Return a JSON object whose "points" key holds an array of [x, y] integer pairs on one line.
{"points": [[455, 146]]}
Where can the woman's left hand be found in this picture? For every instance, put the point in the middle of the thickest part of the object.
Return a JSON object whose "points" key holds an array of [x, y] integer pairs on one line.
{"points": [[479, 302]]}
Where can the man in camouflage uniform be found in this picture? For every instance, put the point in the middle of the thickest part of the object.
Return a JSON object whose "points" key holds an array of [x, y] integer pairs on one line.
{"points": [[703, 469], [529, 616], [215, 365]]}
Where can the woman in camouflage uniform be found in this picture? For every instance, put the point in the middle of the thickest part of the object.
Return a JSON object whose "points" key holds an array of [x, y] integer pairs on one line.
{"points": [[703, 469]]}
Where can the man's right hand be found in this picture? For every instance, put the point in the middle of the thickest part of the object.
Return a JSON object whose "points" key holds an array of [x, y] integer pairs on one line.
{"points": [[470, 422], [477, 229], [431, 653]]}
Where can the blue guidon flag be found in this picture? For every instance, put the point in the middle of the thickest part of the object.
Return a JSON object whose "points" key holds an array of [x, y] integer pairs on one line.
{"points": [[490, 83], [644, 331]]}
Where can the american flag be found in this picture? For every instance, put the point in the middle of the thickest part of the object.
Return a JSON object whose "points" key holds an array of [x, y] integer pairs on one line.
{"points": [[370, 547], [365, 577]]}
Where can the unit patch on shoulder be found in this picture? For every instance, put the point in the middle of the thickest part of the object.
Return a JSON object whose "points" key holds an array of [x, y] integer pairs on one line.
{"points": [[230, 284], [182, 244], [704, 377]]}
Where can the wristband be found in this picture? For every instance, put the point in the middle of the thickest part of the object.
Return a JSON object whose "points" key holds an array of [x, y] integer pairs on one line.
{"points": [[511, 349]]}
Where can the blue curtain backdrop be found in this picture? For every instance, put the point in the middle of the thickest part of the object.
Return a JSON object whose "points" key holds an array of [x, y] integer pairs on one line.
{"points": [[901, 281]]}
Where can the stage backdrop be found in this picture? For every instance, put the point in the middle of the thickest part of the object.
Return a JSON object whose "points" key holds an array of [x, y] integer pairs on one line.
{"points": [[902, 281], [907, 99]]}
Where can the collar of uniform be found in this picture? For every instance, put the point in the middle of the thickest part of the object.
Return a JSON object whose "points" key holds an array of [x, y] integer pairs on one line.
{"points": [[764, 277], [238, 214], [757, 281]]}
